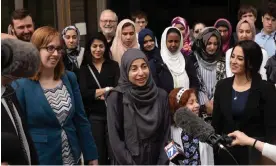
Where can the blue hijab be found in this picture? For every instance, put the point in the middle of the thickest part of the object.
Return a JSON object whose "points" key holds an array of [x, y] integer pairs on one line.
{"points": [[153, 54]]}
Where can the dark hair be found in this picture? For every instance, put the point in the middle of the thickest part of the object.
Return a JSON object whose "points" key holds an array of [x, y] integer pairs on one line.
{"points": [[253, 57], [197, 24], [246, 9], [173, 30], [127, 25], [270, 9], [19, 14], [139, 15], [87, 54]]}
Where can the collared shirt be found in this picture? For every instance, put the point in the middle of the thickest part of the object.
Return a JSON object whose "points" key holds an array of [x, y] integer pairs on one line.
{"points": [[266, 42]]}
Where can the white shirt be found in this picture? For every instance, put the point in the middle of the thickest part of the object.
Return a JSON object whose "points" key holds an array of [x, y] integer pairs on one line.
{"points": [[269, 151], [262, 68]]}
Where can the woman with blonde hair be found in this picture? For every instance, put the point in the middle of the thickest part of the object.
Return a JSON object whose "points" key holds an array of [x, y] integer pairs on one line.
{"points": [[52, 105]]}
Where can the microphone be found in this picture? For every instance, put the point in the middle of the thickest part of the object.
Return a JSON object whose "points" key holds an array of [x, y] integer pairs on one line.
{"points": [[174, 153], [19, 58], [198, 128]]}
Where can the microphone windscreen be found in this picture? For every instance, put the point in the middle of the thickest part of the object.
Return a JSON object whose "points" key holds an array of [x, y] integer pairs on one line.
{"points": [[25, 58], [192, 124]]}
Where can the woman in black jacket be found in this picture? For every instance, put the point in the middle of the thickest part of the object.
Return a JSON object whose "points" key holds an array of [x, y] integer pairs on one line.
{"points": [[98, 74], [245, 102], [160, 71]]}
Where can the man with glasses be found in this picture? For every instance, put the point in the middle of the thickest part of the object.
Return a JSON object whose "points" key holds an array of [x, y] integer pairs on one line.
{"points": [[108, 24], [265, 37]]}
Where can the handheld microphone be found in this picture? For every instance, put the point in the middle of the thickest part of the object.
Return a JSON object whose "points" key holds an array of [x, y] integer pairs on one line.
{"points": [[19, 58], [198, 128], [174, 153]]}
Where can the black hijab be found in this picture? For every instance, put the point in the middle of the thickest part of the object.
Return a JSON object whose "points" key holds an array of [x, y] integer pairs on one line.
{"points": [[141, 106], [153, 54]]}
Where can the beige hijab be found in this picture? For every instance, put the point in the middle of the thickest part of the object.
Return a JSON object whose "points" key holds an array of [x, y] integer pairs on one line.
{"points": [[118, 48]]}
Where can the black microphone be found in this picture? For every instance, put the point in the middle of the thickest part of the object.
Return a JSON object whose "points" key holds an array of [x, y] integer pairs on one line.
{"points": [[175, 153], [19, 58], [198, 128]]}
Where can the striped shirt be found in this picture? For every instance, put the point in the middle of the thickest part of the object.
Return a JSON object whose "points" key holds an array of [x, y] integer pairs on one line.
{"points": [[60, 101]]}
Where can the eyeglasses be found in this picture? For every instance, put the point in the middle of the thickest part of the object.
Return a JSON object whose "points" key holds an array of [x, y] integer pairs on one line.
{"points": [[108, 21], [51, 49]]}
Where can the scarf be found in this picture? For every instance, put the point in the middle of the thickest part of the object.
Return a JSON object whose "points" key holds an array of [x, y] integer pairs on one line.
{"points": [[155, 52], [185, 34], [175, 62], [225, 23], [72, 53], [251, 25], [117, 47], [201, 41], [140, 105]]}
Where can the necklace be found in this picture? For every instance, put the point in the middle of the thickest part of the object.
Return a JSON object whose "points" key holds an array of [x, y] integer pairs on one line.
{"points": [[236, 97]]}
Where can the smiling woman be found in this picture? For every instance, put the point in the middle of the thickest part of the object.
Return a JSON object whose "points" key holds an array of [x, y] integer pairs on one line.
{"points": [[55, 116], [137, 115]]}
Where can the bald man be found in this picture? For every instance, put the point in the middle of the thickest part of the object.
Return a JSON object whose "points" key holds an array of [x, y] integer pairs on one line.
{"points": [[108, 23]]}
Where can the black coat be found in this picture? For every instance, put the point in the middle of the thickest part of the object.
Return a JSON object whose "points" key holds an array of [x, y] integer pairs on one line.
{"points": [[163, 77], [108, 77], [257, 120], [11, 151]]}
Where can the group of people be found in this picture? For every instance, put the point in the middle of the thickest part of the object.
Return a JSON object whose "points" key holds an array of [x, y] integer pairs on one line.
{"points": [[113, 102]]}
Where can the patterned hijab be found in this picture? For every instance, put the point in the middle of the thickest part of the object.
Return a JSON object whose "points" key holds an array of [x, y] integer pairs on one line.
{"points": [[77, 48], [186, 33], [72, 53], [118, 48], [225, 23], [201, 42]]}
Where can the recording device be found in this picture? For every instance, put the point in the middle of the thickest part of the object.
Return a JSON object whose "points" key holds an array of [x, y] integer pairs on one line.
{"points": [[198, 128], [174, 153], [19, 58]]}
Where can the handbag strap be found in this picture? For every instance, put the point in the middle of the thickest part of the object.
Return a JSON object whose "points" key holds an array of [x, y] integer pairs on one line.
{"points": [[91, 71], [93, 74]]}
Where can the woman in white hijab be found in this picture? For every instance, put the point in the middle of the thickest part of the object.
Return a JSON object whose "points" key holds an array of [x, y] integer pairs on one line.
{"points": [[170, 52]]}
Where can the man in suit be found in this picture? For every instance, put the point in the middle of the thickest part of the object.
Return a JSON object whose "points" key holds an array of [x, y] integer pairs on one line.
{"points": [[16, 145]]}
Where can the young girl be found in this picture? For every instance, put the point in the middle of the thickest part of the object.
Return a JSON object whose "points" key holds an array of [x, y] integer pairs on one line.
{"points": [[196, 152]]}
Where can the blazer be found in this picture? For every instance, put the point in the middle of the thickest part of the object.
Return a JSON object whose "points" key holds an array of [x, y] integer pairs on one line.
{"points": [[45, 128], [258, 119], [11, 149]]}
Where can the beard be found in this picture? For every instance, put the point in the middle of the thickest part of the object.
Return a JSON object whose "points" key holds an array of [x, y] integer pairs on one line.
{"points": [[108, 31], [24, 36]]}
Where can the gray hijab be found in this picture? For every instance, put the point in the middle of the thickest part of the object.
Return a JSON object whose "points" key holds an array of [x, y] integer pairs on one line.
{"points": [[140, 105]]}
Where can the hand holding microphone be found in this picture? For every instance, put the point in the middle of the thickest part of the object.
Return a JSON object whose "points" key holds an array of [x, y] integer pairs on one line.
{"points": [[268, 150], [241, 139]]}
